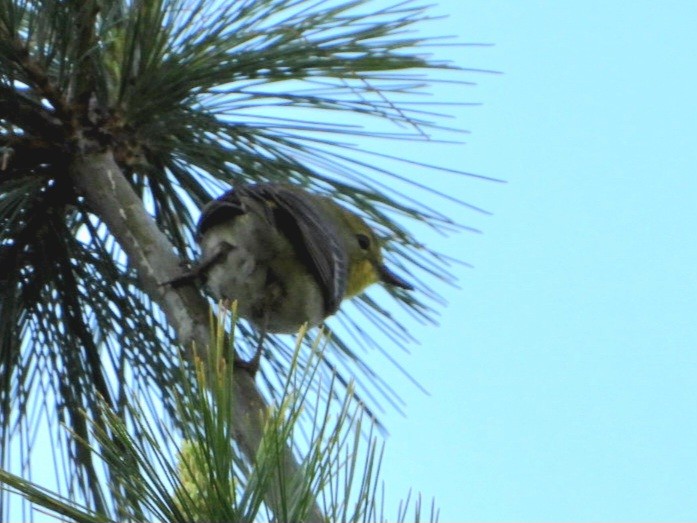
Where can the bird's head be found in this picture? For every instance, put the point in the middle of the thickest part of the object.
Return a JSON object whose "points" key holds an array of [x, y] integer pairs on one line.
{"points": [[365, 261]]}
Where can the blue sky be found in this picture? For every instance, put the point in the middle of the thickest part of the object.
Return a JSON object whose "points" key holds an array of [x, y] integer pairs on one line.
{"points": [[562, 375]]}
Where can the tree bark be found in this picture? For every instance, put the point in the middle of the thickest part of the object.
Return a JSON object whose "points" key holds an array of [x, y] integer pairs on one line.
{"points": [[99, 179]]}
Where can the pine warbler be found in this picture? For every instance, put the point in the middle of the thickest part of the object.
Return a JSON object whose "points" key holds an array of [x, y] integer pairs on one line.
{"points": [[286, 255]]}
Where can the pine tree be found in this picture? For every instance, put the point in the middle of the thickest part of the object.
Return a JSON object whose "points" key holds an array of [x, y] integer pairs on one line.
{"points": [[118, 120]]}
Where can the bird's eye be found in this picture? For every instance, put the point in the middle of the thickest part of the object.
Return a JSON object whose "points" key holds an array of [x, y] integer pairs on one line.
{"points": [[363, 241]]}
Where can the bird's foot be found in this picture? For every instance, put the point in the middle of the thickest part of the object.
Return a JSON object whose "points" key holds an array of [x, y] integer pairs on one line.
{"points": [[188, 276], [250, 366]]}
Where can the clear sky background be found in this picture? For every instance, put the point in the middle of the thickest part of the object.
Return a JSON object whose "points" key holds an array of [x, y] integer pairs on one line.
{"points": [[563, 375]]}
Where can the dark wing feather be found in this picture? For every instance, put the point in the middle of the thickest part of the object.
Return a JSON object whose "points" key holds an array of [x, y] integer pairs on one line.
{"points": [[302, 220], [225, 207]]}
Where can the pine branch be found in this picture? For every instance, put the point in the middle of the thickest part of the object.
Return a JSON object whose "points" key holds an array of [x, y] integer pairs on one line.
{"points": [[28, 115], [111, 197], [36, 75]]}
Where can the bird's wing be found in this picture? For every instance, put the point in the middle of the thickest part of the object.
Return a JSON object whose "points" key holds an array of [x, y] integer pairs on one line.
{"points": [[225, 207], [304, 222]]}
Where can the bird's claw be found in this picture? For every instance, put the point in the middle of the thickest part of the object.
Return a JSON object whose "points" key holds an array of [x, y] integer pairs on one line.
{"points": [[182, 279], [250, 366]]}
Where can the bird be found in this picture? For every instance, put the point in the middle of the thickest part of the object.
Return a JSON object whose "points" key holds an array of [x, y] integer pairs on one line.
{"points": [[288, 256]]}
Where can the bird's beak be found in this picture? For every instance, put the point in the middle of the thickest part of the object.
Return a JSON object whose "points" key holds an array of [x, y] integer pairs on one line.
{"points": [[389, 277]]}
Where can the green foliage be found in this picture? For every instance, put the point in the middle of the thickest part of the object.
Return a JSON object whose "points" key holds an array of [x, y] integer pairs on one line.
{"points": [[207, 479], [190, 95]]}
